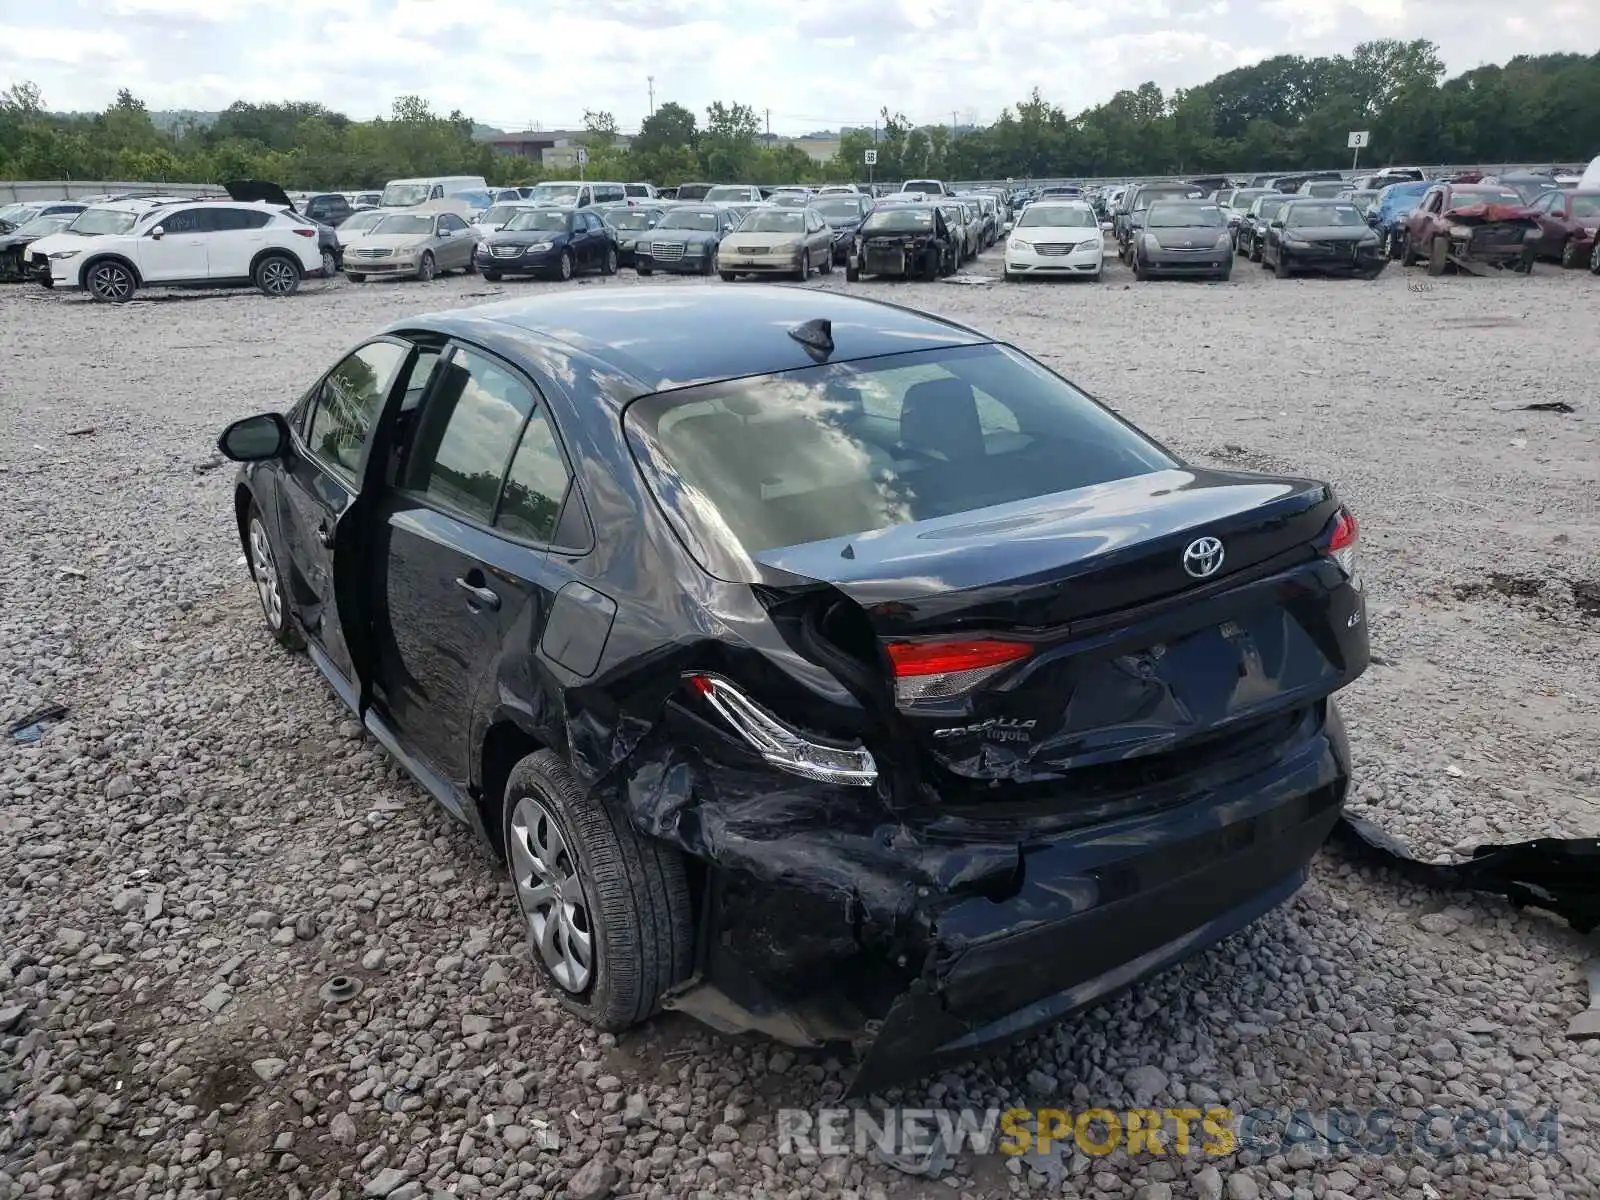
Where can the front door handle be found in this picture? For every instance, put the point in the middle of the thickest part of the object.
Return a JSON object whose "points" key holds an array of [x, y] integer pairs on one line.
{"points": [[482, 597], [325, 535]]}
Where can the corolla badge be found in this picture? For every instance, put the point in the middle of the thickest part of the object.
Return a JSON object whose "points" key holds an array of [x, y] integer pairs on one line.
{"points": [[1202, 558]]}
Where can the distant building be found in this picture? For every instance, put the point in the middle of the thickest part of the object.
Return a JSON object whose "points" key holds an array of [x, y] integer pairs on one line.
{"points": [[552, 147]]}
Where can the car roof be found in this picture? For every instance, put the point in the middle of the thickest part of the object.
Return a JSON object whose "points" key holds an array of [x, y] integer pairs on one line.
{"points": [[656, 336]]}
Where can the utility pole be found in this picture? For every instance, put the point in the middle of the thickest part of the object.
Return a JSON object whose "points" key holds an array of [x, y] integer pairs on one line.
{"points": [[953, 122], [651, 79], [769, 123]]}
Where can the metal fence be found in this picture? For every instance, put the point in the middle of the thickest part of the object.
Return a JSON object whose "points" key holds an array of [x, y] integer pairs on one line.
{"points": [[1434, 171], [12, 192]]}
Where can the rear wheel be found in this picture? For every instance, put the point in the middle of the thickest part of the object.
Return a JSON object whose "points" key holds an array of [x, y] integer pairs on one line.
{"points": [[1255, 251], [276, 275], [111, 282], [827, 264], [1139, 272], [1438, 255], [1408, 256], [1569, 255], [607, 911], [1594, 257], [330, 267]]}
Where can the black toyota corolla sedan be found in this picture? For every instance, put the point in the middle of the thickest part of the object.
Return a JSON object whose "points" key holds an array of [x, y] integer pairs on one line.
{"points": [[849, 676]]}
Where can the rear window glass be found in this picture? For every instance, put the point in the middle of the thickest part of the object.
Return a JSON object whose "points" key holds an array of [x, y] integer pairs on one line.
{"points": [[841, 449]]}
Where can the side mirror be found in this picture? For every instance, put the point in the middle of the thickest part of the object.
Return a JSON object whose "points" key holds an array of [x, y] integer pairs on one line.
{"points": [[1277, 224], [444, 233], [255, 439], [158, 233]]}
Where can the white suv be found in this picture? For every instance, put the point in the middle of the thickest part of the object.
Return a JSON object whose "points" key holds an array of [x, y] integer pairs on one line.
{"points": [[113, 250]]}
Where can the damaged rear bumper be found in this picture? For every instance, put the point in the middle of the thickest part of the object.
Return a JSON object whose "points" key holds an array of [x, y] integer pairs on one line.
{"points": [[920, 949]]}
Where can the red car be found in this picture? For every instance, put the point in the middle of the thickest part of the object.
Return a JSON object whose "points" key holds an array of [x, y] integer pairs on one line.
{"points": [[1567, 224], [1483, 223]]}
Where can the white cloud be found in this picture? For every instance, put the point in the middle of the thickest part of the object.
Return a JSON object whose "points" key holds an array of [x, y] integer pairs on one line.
{"points": [[815, 65]]}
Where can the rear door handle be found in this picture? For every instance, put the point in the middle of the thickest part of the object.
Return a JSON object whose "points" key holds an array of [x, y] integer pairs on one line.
{"points": [[482, 597]]}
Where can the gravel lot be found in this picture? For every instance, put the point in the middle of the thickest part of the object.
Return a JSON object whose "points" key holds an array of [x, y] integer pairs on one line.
{"points": [[207, 839]]}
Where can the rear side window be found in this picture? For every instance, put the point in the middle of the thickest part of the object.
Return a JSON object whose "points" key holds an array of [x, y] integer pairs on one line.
{"points": [[842, 449], [239, 218], [468, 431], [347, 402], [536, 485]]}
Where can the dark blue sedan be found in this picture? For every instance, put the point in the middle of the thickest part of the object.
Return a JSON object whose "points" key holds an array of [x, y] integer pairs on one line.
{"points": [[554, 243], [812, 664], [685, 240]]}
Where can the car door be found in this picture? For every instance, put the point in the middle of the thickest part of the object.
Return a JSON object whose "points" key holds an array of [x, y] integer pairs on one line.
{"points": [[232, 245], [455, 250], [821, 240], [1550, 211], [175, 246], [460, 567], [322, 470]]}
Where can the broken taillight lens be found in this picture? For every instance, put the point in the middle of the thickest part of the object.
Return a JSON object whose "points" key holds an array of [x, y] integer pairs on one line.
{"points": [[781, 744], [939, 670], [1342, 545]]}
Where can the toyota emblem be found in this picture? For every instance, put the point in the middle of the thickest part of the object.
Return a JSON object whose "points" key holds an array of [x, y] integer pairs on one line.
{"points": [[1202, 558]]}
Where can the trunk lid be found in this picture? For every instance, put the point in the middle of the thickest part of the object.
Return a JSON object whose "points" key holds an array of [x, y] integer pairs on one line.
{"points": [[1130, 634]]}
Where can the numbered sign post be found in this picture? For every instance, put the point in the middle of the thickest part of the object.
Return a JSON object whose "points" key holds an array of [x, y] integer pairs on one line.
{"points": [[582, 157], [871, 159], [1358, 139]]}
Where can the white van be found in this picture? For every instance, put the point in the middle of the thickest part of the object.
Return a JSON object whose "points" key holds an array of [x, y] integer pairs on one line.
{"points": [[1591, 176], [575, 193], [408, 193]]}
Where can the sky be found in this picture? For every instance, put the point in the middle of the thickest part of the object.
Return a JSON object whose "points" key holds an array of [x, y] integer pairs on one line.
{"points": [[813, 65]]}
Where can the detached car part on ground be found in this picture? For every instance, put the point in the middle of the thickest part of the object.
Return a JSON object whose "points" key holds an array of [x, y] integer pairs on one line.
{"points": [[847, 677], [907, 241]]}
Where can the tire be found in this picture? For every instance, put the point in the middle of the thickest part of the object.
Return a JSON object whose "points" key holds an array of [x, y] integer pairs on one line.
{"points": [[1281, 269], [425, 267], [803, 272], [330, 267], [492, 276], [609, 266], [1594, 258], [727, 276], [1569, 255], [355, 276], [1438, 256], [1408, 256], [472, 266], [268, 578], [827, 264], [633, 897], [1139, 273], [110, 282], [852, 274], [277, 275]]}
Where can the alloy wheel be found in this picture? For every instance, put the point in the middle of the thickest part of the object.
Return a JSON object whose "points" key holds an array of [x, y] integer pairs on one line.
{"points": [[550, 894], [329, 267], [265, 569], [425, 268], [566, 265], [277, 277], [111, 282]]}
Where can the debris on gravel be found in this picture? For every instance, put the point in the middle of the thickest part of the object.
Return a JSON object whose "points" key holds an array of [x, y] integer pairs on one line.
{"points": [[204, 840]]}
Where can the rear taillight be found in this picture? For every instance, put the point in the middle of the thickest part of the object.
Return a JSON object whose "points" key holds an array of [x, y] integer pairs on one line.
{"points": [[305, 232], [938, 670], [1342, 545], [782, 745]]}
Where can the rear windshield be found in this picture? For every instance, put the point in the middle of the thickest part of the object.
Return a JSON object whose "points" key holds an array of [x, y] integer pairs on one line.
{"points": [[898, 219], [841, 449], [726, 191]]}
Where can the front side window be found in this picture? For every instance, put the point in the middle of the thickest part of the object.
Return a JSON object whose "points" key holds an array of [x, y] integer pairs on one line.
{"points": [[468, 431], [452, 222], [844, 449], [536, 485], [348, 403], [185, 220]]}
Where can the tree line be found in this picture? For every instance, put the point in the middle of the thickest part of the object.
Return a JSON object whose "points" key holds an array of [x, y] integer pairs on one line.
{"points": [[1286, 113]]}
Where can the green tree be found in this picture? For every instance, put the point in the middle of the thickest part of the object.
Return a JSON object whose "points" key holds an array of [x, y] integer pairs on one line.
{"points": [[728, 147], [669, 127], [600, 129]]}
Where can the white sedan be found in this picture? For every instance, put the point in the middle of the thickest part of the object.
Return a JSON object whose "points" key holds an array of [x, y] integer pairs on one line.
{"points": [[1055, 237]]}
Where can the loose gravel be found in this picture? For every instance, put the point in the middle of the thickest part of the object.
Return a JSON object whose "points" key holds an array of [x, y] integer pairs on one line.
{"points": [[207, 840]]}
